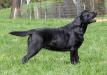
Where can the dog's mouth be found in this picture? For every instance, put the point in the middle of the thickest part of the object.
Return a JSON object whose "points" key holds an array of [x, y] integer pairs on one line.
{"points": [[94, 17], [93, 20]]}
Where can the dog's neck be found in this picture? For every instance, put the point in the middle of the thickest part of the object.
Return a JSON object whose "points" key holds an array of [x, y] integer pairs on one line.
{"points": [[77, 23], [84, 27]]}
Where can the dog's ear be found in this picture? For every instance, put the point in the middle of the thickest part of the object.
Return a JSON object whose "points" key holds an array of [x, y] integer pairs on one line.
{"points": [[79, 18], [81, 14], [84, 11]]}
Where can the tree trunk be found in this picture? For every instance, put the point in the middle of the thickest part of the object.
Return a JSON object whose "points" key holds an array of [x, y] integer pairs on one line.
{"points": [[78, 6], [15, 9], [28, 1], [87, 4]]}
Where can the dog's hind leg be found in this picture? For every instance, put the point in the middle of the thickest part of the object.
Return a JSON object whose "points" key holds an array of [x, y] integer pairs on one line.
{"points": [[34, 46]]}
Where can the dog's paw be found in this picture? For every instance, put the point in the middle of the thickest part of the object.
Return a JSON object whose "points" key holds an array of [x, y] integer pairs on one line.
{"points": [[74, 60], [24, 60]]}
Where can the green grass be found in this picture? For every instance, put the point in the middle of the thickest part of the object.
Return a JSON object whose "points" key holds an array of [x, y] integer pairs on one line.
{"points": [[93, 52]]}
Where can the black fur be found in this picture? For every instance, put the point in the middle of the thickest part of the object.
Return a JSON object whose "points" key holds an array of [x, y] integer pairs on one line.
{"points": [[67, 38]]}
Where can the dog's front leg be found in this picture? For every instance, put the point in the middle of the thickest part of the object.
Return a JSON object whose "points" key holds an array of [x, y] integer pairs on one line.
{"points": [[74, 58]]}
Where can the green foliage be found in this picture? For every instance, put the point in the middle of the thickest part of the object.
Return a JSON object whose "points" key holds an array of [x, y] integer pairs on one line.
{"points": [[5, 3], [47, 0], [5, 13], [106, 3], [37, 4]]}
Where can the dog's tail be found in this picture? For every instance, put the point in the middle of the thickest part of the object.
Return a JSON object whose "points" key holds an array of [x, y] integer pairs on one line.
{"points": [[20, 33]]}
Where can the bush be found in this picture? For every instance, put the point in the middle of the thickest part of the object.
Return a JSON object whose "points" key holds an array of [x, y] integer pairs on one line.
{"points": [[5, 3]]}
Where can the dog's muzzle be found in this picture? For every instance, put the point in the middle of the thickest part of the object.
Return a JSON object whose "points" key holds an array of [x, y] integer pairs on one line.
{"points": [[94, 20]]}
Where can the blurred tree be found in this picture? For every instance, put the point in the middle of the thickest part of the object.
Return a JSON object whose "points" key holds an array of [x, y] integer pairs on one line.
{"points": [[47, 0], [100, 6], [15, 9]]}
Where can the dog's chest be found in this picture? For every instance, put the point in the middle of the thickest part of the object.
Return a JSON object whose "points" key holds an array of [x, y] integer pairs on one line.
{"points": [[75, 39]]}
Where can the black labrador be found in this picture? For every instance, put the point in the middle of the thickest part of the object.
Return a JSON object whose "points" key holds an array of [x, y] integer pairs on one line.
{"points": [[67, 38]]}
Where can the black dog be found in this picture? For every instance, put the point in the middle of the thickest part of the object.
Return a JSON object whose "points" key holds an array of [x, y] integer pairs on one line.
{"points": [[67, 38]]}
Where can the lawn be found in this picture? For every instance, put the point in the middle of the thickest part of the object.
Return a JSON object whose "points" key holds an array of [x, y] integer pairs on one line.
{"points": [[93, 52]]}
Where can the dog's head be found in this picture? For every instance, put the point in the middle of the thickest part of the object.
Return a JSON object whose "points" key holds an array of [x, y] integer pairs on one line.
{"points": [[88, 16]]}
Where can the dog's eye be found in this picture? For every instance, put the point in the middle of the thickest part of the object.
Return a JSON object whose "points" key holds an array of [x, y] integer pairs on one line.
{"points": [[88, 15]]}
